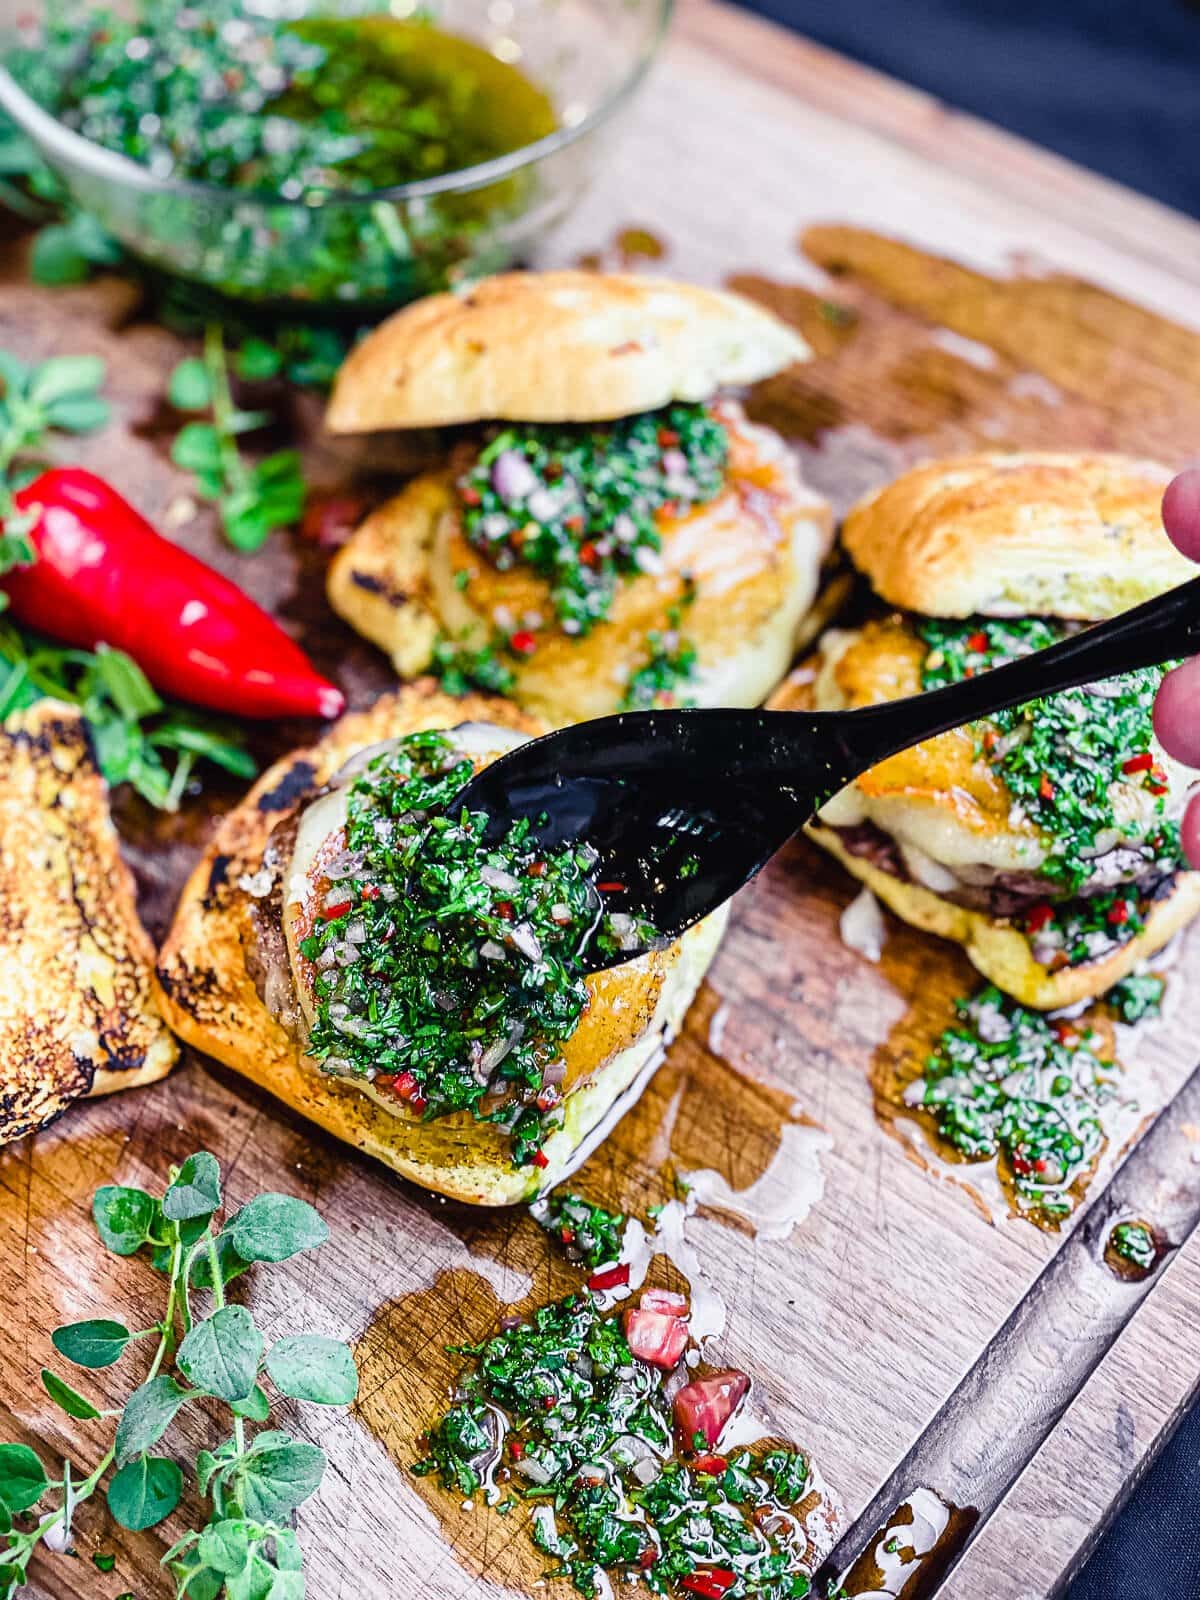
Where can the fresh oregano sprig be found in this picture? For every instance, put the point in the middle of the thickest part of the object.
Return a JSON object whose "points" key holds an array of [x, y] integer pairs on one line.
{"points": [[206, 1353], [253, 498], [59, 395]]}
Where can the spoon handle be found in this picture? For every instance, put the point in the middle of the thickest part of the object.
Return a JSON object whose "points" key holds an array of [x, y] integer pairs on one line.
{"points": [[1148, 636]]}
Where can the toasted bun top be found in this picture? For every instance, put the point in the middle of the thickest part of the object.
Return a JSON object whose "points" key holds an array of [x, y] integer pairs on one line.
{"points": [[1065, 535], [555, 347]]}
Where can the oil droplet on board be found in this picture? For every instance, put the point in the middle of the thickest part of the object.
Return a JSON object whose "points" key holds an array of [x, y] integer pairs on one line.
{"points": [[912, 1553]]}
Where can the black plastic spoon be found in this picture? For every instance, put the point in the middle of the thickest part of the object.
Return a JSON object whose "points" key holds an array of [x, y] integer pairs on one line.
{"points": [[684, 807]]}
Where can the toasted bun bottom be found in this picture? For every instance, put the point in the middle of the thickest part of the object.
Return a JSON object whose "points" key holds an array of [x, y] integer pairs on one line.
{"points": [[457, 1156], [210, 997], [1001, 952]]}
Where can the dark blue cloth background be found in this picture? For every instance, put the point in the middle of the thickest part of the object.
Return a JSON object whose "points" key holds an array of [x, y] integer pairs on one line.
{"points": [[1116, 86]]}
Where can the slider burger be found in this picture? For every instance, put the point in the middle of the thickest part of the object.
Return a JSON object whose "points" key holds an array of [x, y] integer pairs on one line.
{"points": [[349, 943], [1045, 841], [605, 532]]}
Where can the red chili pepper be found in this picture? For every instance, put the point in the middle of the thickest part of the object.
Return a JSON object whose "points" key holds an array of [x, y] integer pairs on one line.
{"points": [[648, 1557], [536, 869], [1021, 1167], [668, 438], [405, 1085], [516, 1449], [1118, 913], [611, 887], [547, 1098], [371, 891], [1158, 780], [567, 1235], [504, 909], [523, 643], [331, 913], [1139, 763], [587, 553], [573, 524], [1038, 916], [977, 642], [104, 576], [470, 495], [418, 1102], [615, 1277], [712, 1466], [1065, 1032], [1046, 787], [540, 1159], [710, 1582]]}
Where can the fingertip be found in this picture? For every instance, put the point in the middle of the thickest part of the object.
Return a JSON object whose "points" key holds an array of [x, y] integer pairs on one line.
{"points": [[1181, 512], [1191, 832], [1177, 713]]}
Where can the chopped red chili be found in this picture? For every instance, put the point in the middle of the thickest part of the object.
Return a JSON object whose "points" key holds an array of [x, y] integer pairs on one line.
{"points": [[1046, 787], [1118, 913], [1038, 916], [540, 1159], [523, 642], [614, 1277], [1139, 763], [711, 1465], [710, 1583], [330, 913], [977, 642]]}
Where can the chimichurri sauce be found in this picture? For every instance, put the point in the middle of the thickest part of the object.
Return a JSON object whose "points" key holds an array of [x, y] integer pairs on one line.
{"points": [[578, 503], [222, 93], [588, 1233], [561, 1411], [1009, 1082], [1063, 757], [447, 972]]}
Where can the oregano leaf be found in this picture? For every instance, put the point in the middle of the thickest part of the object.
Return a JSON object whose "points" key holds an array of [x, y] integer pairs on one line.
{"points": [[96, 1343], [196, 1192], [148, 1414], [272, 1227], [221, 1354], [124, 1218], [22, 1477], [307, 1366], [144, 1492], [68, 1399]]}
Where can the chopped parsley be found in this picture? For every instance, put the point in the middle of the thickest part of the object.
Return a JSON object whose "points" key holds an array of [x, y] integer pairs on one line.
{"points": [[1137, 997], [1134, 1242], [446, 972], [1013, 1083], [670, 667], [578, 503], [589, 1234], [1062, 757], [461, 669], [558, 1409]]}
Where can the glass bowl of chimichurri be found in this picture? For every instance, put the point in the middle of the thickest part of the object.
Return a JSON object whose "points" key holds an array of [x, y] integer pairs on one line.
{"points": [[348, 155]]}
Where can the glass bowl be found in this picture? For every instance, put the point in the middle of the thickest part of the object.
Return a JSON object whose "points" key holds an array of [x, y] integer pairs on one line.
{"points": [[335, 249]]}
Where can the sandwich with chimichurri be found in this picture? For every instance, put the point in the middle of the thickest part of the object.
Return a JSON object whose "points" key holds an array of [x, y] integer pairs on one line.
{"points": [[349, 942], [605, 532], [1045, 840]]}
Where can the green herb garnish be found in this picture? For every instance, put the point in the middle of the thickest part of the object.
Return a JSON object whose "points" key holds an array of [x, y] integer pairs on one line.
{"points": [[577, 504], [60, 395], [588, 1233], [461, 669], [138, 738], [1137, 997], [1134, 1242], [254, 499], [1011, 1082], [253, 1480], [671, 667], [560, 1410], [447, 972], [1064, 757]]}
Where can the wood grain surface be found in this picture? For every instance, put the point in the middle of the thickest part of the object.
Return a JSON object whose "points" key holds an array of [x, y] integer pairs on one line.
{"points": [[959, 289]]}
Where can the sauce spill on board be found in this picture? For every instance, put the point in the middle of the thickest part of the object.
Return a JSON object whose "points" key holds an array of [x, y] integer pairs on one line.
{"points": [[909, 1557]]}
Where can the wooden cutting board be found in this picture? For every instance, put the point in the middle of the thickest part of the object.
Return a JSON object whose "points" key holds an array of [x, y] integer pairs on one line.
{"points": [[960, 289]]}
